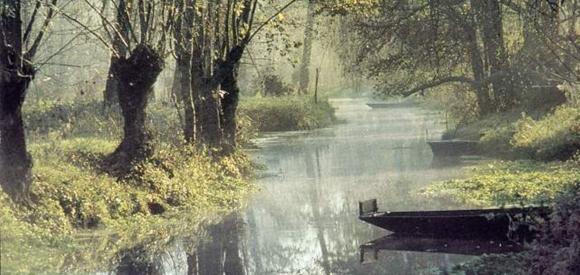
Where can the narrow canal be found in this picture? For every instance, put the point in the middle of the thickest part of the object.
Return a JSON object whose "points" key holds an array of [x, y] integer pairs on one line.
{"points": [[304, 219]]}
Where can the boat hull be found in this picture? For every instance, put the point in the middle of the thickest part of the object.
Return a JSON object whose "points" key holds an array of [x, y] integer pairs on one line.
{"points": [[478, 223], [448, 148], [382, 105], [467, 226]]}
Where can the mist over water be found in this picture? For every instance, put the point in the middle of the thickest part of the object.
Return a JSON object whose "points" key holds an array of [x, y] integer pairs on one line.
{"points": [[304, 220]]}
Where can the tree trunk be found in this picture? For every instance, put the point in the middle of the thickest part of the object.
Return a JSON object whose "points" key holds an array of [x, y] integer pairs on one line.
{"points": [[477, 68], [229, 71], [111, 93], [184, 92], [15, 76], [209, 114], [198, 84], [229, 108], [306, 54], [495, 53], [15, 162], [137, 74]]}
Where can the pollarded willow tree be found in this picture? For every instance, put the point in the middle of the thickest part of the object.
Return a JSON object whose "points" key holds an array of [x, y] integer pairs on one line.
{"points": [[136, 33], [20, 39], [222, 30]]}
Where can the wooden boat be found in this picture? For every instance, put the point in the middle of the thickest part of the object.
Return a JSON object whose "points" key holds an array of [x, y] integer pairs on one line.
{"points": [[476, 247], [380, 105], [476, 223], [453, 147]]}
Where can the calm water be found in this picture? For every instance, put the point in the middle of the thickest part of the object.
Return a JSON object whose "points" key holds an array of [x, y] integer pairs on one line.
{"points": [[304, 218]]}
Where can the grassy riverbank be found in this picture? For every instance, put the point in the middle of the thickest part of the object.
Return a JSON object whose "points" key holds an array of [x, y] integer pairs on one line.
{"points": [[73, 195], [287, 113], [541, 166], [553, 135], [502, 183], [79, 210]]}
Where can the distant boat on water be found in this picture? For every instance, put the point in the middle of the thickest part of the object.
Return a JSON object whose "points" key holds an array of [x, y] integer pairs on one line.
{"points": [[393, 104]]}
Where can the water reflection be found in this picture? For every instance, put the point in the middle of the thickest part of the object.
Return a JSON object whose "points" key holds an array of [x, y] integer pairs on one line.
{"points": [[221, 253], [304, 220], [449, 246]]}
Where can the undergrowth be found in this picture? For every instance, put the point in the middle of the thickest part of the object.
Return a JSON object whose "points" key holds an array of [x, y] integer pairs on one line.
{"points": [[509, 183], [174, 190], [287, 113], [556, 136], [515, 135], [557, 252]]}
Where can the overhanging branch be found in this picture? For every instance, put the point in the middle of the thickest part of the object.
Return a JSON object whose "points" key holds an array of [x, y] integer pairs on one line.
{"points": [[437, 82]]}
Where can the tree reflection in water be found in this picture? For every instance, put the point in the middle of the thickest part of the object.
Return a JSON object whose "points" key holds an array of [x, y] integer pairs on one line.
{"points": [[304, 218]]}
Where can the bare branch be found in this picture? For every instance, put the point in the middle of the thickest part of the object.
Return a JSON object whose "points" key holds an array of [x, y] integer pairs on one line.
{"points": [[94, 33], [31, 22], [32, 51], [249, 37]]}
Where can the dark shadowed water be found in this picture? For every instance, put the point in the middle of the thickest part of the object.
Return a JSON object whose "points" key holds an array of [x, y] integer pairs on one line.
{"points": [[304, 218]]}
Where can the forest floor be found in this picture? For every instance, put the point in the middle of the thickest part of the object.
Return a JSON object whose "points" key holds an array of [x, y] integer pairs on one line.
{"points": [[80, 216]]}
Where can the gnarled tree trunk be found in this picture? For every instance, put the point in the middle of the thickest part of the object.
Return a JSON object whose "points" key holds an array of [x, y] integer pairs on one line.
{"points": [[229, 108], [209, 114], [136, 75], [229, 84], [15, 75], [111, 93], [15, 162]]}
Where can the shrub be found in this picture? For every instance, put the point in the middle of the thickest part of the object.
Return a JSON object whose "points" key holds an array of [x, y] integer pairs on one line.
{"points": [[274, 86], [87, 118], [496, 142], [558, 251], [287, 113], [459, 104], [556, 136]]}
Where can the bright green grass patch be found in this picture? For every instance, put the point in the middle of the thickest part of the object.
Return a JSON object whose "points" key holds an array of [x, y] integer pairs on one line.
{"points": [[287, 113], [509, 183]]}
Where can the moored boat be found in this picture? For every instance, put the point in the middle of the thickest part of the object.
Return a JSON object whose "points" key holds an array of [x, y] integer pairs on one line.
{"points": [[453, 147], [473, 223], [380, 105]]}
